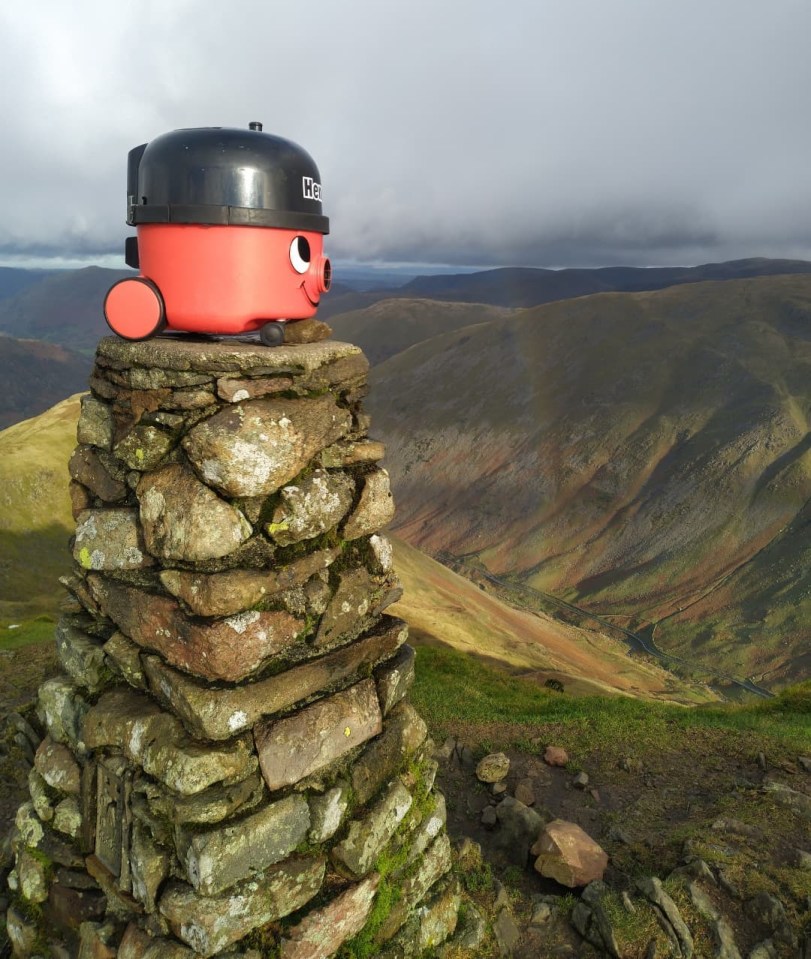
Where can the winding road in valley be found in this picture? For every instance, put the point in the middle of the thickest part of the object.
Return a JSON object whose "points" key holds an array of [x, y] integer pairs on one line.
{"points": [[636, 642]]}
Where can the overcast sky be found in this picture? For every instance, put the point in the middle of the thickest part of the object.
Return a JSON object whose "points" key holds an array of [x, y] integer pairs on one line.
{"points": [[533, 132]]}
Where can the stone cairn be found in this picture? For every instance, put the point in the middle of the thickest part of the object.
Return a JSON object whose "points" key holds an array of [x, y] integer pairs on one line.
{"points": [[230, 765]]}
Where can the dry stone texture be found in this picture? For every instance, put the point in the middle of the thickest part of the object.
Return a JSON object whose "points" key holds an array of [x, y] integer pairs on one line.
{"points": [[183, 519], [254, 448], [568, 855], [229, 741], [290, 749]]}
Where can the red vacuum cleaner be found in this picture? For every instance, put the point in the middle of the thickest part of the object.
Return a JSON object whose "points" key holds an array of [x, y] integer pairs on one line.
{"points": [[230, 236]]}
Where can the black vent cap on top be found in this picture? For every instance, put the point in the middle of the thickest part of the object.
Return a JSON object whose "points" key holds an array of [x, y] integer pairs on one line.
{"points": [[223, 176]]}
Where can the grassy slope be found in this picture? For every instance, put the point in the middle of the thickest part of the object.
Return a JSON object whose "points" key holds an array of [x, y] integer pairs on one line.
{"points": [[35, 518], [628, 451], [445, 609]]}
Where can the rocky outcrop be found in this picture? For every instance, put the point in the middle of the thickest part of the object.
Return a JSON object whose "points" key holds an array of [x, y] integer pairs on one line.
{"points": [[230, 759]]}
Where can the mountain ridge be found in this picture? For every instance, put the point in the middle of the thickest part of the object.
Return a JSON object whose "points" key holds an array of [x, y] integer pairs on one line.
{"points": [[624, 451]]}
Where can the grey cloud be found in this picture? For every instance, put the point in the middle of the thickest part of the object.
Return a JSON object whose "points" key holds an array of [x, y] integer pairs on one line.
{"points": [[534, 132]]}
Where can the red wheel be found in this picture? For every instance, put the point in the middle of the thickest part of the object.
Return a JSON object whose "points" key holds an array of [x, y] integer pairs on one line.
{"points": [[134, 308]]}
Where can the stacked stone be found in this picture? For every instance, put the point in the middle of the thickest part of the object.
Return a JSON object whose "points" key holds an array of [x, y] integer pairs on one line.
{"points": [[230, 765]]}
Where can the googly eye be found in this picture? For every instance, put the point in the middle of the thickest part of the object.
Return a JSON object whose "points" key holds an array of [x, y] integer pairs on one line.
{"points": [[300, 254]]}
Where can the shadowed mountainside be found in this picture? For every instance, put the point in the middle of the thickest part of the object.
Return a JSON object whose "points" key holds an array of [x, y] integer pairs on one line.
{"points": [[643, 455], [14, 279], [390, 326], [65, 308], [35, 375]]}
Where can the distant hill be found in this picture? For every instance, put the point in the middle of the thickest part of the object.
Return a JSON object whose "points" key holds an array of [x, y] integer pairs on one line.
{"points": [[13, 279], [524, 286], [390, 326], [64, 308], [35, 375], [644, 455]]}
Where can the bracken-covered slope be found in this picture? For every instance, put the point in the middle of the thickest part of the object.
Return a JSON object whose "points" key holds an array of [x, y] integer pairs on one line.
{"points": [[644, 455], [65, 308]]}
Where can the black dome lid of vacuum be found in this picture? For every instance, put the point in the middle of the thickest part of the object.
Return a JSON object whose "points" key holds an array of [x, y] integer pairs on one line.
{"points": [[224, 176]]}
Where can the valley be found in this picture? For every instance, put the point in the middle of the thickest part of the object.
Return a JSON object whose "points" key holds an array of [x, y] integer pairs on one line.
{"points": [[643, 455]]}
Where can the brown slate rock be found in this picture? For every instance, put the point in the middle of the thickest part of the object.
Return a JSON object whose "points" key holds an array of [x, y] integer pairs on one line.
{"points": [[91, 468], [81, 656], [327, 812], [221, 713], [403, 732], [555, 756], [568, 855], [220, 857], [221, 356], [394, 678], [310, 507], [234, 591], [322, 932], [350, 610], [210, 806], [135, 724], [71, 907], [136, 944], [126, 659], [375, 507], [150, 865], [493, 768], [143, 378], [144, 447], [192, 399], [95, 941], [255, 447], [183, 519], [210, 923], [311, 330], [367, 837], [253, 388], [58, 767], [62, 708], [80, 498], [22, 931], [109, 539], [95, 426], [434, 864], [525, 792], [438, 917], [346, 371], [290, 749], [227, 649], [347, 453]]}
